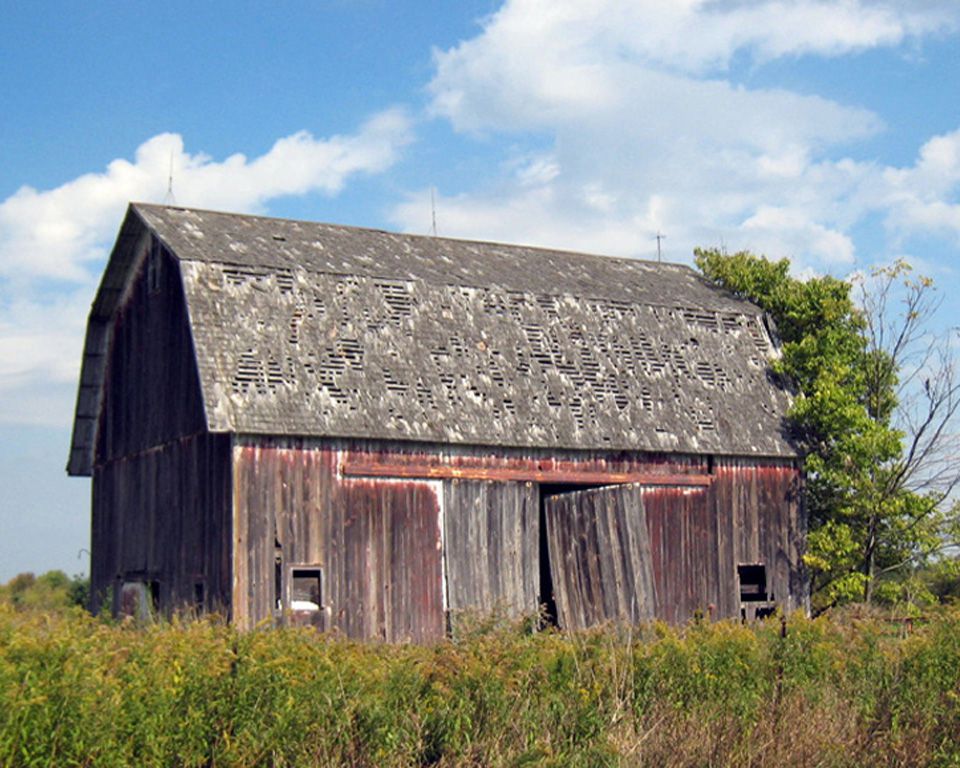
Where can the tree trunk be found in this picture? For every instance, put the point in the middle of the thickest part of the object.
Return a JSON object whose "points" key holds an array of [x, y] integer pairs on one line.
{"points": [[869, 560]]}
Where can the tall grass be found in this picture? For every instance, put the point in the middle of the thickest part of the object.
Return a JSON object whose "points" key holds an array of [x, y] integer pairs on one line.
{"points": [[76, 691]]}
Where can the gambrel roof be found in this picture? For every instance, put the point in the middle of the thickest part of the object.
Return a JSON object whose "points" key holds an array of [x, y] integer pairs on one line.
{"points": [[307, 329]]}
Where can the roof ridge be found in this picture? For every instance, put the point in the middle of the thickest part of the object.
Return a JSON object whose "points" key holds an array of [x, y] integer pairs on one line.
{"points": [[426, 238]]}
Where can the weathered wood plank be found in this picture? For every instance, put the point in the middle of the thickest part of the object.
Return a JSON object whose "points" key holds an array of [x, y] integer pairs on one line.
{"points": [[492, 560], [600, 556], [373, 469]]}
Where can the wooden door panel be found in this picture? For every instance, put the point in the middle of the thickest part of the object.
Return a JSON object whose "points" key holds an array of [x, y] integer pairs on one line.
{"points": [[599, 551]]}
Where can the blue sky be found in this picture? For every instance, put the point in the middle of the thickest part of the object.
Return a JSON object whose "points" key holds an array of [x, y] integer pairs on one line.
{"points": [[827, 132]]}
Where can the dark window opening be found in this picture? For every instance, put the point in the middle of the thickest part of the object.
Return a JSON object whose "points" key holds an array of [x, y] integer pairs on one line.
{"points": [[306, 589], [753, 583], [756, 601], [154, 595]]}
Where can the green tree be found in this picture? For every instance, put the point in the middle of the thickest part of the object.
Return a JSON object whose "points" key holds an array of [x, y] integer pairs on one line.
{"points": [[913, 372], [878, 475], [53, 590]]}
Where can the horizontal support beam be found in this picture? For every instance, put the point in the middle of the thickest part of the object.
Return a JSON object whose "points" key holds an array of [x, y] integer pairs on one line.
{"points": [[586, 476]]}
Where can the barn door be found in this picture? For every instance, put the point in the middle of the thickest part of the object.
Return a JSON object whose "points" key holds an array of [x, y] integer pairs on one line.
{"points": [[599, 551]]}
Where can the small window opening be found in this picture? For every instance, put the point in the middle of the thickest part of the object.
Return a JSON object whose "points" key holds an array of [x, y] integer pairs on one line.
{"points": [[305, 589], [154, 595], [753, 583], [756, 602]]}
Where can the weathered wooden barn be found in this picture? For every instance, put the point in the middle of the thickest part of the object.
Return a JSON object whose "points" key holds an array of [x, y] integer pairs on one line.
{"points": [[371, 432]]}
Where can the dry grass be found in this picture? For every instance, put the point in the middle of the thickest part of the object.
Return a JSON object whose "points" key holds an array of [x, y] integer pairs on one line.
{"points": [[857, 691]]}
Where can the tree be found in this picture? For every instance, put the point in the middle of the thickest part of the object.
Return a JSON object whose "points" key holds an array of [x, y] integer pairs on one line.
{"points": [[916, 370], [879, 472], [53, 590]]}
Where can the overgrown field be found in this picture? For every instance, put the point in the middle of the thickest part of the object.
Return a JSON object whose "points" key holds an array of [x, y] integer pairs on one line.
{"points": [[78, 691]]}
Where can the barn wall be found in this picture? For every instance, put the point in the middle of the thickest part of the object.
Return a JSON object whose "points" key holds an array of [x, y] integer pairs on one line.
{"points": [[164, 516], [378, 543], [151, 391], [161, 483], [760, 504], [369, 533], [686, 545], [751, 513]]}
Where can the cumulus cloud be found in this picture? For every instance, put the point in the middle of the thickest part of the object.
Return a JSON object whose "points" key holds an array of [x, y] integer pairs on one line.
{"points": [[539, 59], [690, 36], [926, 197], [53, 242], [58, 233], [637, 127]]}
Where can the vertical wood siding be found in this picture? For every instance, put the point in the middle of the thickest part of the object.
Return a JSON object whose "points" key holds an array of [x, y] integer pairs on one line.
{"points": [[164, 516], [161, 484], [762, 501], [491, 537], [151, 388], [685, 544], [600, 556], [378, 539], [377, 542]]}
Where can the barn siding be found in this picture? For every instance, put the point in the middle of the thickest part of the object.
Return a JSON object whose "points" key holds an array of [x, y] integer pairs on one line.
{"points": [[761, 498], [684, 567], [163, 515], [151, 390], [491, 538], [369, 533], [600, 556], [377, 542], [161, 483]]}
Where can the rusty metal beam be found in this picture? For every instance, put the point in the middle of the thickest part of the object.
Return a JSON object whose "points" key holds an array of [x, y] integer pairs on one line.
{"points": [[587, 476]]}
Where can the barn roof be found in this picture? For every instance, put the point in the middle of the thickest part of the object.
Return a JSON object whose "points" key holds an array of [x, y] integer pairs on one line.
{"points": [[312, 329]]}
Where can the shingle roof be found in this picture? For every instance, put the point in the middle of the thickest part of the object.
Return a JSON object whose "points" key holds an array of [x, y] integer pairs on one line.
{"points": [[313, 329]]}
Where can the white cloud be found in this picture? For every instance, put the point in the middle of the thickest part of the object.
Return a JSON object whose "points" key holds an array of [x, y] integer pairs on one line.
{"points": [[772, 230], [58, 233], [53, 242], [537, 60], [639, 131], [926, 197], [40, 356]]}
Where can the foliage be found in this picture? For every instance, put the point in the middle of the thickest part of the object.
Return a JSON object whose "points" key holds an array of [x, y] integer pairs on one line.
{"points": [[880, 465], [50, 591], [857, 690]]}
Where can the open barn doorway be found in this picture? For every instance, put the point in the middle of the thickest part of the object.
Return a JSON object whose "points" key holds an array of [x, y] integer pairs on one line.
{"points": [[595, 563], [548, 604]]}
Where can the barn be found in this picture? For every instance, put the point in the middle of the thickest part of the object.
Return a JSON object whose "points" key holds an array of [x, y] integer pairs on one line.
{"points": [[372, 432]]}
